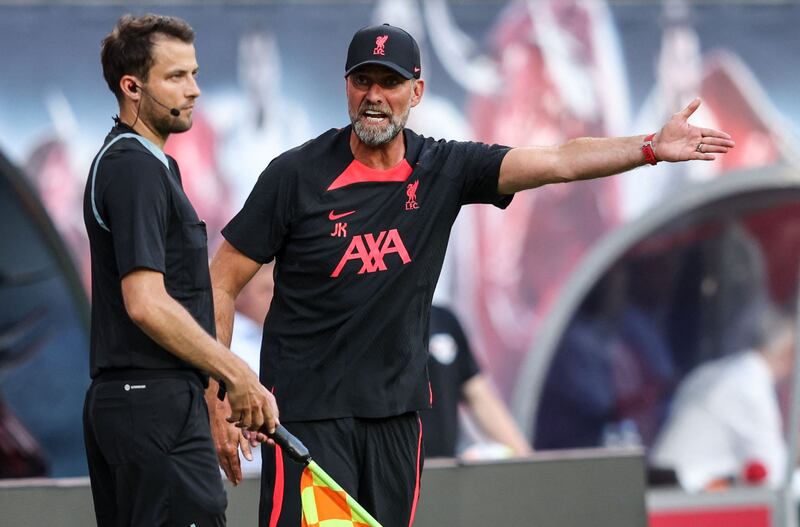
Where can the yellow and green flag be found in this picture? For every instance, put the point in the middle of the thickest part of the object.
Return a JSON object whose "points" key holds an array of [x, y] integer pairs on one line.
{"points": [[326, 504]]}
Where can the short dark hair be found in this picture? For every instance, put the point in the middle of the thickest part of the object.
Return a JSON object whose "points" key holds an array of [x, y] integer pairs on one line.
{"points": [[127, 50]]}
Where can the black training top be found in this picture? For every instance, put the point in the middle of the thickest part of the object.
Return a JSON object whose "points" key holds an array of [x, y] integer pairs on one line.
{"points": [[450, 365], [358, 253], [137, 216]]}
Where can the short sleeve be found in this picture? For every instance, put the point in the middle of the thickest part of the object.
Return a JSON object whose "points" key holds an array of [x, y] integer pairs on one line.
{"points": [[481, 172], [259, 229], [135, 202]]}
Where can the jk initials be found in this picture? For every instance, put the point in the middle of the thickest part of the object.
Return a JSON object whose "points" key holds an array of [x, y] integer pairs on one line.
{"points": [[339, 230], [371, 251]]}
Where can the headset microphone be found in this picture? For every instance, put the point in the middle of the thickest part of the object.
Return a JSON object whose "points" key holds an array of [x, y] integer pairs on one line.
{"points": [[173, 111]]}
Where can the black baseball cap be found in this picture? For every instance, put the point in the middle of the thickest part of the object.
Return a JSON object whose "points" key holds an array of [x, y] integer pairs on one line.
{"points": [[385, 45]]}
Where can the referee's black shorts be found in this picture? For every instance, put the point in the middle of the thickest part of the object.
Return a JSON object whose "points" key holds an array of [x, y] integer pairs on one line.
{"points": [[377, 461], [151, 458]]}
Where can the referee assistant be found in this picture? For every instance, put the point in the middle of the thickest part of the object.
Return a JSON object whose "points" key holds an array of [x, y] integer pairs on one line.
{"points": [[357, 221], [148, 442]]}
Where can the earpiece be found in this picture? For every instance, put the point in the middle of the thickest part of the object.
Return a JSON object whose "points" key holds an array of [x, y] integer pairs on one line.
{"points": [[172, 111]]}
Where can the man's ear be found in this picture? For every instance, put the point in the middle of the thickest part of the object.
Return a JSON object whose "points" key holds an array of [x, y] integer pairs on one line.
{"points": [[418, 88], [129, 85]]}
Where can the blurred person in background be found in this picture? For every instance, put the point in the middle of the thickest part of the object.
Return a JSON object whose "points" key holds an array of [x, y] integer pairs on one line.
{"points": [[609, 375], [725, 423], [456, 380], [256, 121]]}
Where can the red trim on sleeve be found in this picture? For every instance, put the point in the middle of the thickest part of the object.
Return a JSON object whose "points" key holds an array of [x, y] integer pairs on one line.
{"points": [[357, 172]]}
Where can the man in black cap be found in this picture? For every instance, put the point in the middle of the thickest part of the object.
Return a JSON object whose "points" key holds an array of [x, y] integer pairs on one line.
{"points": [[357, 221]]}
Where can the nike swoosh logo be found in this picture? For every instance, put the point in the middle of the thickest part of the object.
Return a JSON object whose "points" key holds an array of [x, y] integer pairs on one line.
{"points": [[333, 216]]}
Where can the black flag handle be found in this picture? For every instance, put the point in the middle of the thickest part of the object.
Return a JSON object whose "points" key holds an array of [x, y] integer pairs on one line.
{"points": [[293, 447]]}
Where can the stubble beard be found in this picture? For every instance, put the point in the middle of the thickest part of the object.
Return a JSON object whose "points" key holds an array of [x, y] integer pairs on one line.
{"points": [[164, 123], [377, 136]]}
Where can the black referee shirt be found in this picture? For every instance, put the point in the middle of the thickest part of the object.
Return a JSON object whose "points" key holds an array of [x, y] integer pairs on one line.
{"points": [[138, 217], [358, 253]]}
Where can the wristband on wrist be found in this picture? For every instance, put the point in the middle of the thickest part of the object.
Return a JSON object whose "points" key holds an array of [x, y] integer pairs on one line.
{"points": [[647, 150]]}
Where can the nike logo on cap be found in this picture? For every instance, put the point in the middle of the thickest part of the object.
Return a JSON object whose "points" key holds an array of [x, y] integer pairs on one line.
{"points": [[333, 216]]}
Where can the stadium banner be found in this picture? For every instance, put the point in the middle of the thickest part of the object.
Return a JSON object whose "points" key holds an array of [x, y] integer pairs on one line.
{"points": [[516, 73]]}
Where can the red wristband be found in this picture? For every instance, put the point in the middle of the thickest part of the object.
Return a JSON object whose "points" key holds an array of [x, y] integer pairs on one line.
{"points": [[647, 150]]}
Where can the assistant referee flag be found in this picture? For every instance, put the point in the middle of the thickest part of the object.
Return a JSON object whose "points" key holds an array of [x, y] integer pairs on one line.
{"points": [[324, 502]]}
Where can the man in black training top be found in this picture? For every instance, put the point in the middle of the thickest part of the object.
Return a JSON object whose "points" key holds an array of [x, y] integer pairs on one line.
{"points": [[357, 221], [148, 442]]}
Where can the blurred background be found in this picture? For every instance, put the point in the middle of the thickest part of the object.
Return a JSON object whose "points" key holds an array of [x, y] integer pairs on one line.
{"points": [[587, 305]]}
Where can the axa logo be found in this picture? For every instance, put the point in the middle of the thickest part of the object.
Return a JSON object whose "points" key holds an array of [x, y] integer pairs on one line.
{"points": [[380, 42], [411, 193], [372, 251]]}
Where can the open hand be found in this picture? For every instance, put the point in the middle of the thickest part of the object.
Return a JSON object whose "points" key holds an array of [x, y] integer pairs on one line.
{"points": [[680, 141]]}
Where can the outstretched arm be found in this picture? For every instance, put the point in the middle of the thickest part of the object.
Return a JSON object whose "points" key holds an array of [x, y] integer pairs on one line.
{"points": [[589, 158]]}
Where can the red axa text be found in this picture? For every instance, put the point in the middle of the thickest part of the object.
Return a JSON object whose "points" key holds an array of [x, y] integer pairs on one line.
{"points": [[372, 250]]}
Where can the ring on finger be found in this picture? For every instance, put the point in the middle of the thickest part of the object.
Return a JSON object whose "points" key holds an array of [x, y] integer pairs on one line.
{"points": [[699, 148]]}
